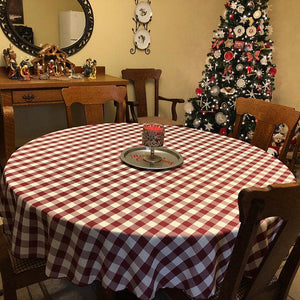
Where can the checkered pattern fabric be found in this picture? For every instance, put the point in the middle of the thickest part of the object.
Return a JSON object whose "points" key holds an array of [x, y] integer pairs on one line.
{"points": [[68, 197], [22, 265]]}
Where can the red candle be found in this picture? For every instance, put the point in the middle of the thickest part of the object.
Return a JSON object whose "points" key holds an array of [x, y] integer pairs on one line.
{"points": [[153, 135], [153, 127]]}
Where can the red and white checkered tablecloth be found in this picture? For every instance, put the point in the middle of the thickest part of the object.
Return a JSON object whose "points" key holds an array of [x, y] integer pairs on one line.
{"points": [[68, 197]]}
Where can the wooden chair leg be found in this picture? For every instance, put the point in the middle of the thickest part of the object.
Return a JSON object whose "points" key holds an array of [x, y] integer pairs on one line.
{"points": [[9, 289], [8, 281]]}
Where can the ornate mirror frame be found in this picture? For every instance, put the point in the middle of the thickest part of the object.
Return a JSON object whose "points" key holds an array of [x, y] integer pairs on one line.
{"points": [[33, 50]]}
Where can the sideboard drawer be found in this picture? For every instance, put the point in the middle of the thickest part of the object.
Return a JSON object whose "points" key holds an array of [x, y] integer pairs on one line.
{"points": [[37, 96]]}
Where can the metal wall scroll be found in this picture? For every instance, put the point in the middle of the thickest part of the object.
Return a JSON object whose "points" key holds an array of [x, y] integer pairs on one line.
{"points": [[143, 16]]}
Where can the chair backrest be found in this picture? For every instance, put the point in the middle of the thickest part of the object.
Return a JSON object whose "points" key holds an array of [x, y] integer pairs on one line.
{"points": [[138, 78], [256, 204], [267, 115], [93, 99]]}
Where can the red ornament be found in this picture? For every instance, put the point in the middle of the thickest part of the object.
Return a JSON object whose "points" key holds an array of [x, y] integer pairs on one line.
{"points": [[212, 78], [249, 56], [268, 45], [207, 112], [272, 71], [230, 35], [228, 56], [227, 4], [239, 45], [231, 17], [217, 44], [251, 4], [258, 28], [227, 69], [223, 131], [259, 86], [256, 54], [250, 69], [199, 91]]}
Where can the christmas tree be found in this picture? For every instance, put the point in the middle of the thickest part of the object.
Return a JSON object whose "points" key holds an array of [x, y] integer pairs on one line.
{"points": [[238, 65]]}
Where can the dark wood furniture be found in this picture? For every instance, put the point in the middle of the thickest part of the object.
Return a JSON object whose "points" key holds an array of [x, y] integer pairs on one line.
{"points": [[93, 99], [139, 77], [293, 155], [267, 116], [37, 92], [256, 204], [18, 273]]}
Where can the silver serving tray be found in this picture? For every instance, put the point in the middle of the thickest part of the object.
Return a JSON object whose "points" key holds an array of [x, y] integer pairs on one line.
{"points": [[134, 158]]}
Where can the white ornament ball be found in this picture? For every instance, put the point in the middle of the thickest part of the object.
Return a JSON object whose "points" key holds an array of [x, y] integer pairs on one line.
{"points": [[215, 90], [220, 118], [239, 67], [196, 123]]}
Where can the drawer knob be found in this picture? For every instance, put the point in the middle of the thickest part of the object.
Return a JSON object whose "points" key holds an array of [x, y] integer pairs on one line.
{"points": [[28, 97]]}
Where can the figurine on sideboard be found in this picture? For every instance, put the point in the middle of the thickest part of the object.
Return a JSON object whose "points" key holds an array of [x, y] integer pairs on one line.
{"points": [[53, 62], [87, 67], [11, 62], [24, 70], [90, 68], [93, 70], [51, 68]]}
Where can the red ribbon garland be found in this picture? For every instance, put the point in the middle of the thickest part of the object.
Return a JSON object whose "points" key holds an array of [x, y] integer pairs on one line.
{"points": [[217, 44]]}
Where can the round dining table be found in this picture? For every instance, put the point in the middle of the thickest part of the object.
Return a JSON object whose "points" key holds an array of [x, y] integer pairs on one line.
{"points": [[69, 198]]}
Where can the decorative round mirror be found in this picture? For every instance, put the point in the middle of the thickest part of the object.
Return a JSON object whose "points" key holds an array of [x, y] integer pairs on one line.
{"points": [[29, 24]]}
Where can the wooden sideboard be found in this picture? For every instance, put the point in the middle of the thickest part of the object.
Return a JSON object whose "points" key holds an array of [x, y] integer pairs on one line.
{"points": [[36, 92]]}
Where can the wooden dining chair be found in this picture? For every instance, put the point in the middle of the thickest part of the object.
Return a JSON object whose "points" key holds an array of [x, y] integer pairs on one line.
{"points": [[93, 99], [267, 116], [138, 108], [18, 273], [256, 204], [293, 155]]}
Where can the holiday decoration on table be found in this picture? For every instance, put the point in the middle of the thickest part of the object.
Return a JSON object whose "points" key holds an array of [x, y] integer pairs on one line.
{"points": [[152, 156], [239, 64]]}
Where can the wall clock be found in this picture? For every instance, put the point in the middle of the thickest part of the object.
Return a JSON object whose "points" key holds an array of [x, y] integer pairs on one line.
{"points": [[141, 33]]}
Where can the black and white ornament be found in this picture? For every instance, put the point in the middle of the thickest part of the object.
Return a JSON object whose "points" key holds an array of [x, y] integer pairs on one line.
{"points": [[220, 118], [239, 67], [215, 90]]}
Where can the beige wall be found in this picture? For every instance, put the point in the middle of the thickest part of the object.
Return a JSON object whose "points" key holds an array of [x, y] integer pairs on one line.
{"points": [[181, 34], [286, 21]]}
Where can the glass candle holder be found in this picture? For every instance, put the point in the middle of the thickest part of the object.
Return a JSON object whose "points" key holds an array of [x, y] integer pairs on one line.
{"points": [[153, 137]]}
